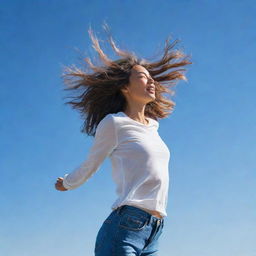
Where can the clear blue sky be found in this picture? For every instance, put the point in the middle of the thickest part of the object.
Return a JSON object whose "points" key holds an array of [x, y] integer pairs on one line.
{"points": [[211, 133]]}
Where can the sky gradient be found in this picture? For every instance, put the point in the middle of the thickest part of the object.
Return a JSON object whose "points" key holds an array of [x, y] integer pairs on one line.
{"points": [[211, 133]]}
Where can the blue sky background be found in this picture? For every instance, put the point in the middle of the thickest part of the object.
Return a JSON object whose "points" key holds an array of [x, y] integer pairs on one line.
{"points": [[211, 133]]}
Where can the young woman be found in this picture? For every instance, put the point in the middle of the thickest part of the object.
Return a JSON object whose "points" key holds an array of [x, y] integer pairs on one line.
{"points": [[120, 103]]}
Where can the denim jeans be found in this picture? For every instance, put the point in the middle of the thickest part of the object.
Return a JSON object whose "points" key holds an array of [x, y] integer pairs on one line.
{"points": [[129, 231]]}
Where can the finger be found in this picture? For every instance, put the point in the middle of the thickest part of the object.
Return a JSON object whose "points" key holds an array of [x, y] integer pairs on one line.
{"points": [[59, 186]]}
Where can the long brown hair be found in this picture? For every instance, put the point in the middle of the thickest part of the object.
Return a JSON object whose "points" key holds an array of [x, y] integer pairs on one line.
{"points": [[98, 88]]}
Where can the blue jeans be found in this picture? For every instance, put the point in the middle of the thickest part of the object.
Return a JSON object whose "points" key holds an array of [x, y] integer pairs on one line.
{"points": [[129, 231]]}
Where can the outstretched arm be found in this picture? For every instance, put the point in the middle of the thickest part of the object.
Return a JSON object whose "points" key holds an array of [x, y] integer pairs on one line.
{"points": [[104, 143]]}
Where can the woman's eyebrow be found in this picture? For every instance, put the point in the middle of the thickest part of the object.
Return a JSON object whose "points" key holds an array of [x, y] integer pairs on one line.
{"points": [[145, 74]]}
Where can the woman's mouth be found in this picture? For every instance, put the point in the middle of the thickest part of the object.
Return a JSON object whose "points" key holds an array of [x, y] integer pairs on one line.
{"points": [[150, 90]]}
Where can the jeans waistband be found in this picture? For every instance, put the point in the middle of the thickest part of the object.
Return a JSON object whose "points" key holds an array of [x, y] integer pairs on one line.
{"points": [[141, 212]]}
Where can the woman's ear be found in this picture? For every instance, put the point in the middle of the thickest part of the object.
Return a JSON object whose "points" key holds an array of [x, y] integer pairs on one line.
{"points": [[124, 90]]}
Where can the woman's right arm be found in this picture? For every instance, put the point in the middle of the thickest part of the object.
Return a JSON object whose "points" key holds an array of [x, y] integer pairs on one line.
{"points": [[105, 141]]}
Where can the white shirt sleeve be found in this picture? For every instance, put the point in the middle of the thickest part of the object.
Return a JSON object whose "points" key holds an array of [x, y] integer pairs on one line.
{"points": [[105, 141]]}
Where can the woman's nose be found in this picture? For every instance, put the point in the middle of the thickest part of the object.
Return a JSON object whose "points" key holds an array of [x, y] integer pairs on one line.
{"points": [[150, 81]]}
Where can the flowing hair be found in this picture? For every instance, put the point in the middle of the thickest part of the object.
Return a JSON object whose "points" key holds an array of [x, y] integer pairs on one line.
{"points": [[97, 88]]}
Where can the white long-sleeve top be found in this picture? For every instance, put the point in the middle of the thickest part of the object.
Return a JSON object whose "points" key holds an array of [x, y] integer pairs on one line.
{"points": [[139, 159]]}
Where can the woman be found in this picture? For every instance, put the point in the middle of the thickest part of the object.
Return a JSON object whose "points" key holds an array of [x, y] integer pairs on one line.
{"points": [[120, 103]]}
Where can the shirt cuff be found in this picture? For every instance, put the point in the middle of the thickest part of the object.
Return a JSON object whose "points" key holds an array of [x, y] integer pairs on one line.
{"points": [[65, 184]]}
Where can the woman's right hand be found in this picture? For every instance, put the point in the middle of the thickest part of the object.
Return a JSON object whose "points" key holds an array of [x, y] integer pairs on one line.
{"points": [[59, 184]]}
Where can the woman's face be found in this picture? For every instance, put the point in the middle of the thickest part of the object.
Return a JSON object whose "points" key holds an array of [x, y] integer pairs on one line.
{"points": [[141, 85]]}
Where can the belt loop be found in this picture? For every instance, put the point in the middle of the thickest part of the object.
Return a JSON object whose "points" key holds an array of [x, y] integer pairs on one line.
{"points": [[119, 209], [149, 219]]}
